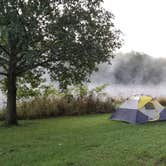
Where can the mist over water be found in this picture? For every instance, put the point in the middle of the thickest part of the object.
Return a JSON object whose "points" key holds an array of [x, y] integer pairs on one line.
{"points": [[126, 91], [133, 73]]}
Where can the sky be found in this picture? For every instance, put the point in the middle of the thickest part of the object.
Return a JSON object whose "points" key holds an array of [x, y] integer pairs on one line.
{"points": [[143, 23]]}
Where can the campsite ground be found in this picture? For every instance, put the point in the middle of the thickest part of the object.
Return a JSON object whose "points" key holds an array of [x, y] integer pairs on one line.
{"points": [[90, 140]]}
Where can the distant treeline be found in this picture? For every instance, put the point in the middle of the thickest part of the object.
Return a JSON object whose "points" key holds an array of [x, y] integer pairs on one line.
{"points": [[132, 68]]}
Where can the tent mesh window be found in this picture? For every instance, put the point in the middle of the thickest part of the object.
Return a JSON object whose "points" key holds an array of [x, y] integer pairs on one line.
{"points": [[149, 106]]}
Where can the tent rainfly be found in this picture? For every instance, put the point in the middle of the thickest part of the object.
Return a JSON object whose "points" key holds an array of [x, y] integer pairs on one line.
{"points": [[140, 109]]}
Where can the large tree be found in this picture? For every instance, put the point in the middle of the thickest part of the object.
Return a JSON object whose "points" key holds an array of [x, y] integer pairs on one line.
{"points": [[69, 38]]}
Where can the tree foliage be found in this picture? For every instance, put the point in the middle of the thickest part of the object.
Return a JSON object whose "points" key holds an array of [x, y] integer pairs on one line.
{"points": [[68, 38]]}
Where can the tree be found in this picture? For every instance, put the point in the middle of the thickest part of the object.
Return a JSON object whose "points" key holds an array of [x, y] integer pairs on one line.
{"points": [[29, 86], [68, 38]]}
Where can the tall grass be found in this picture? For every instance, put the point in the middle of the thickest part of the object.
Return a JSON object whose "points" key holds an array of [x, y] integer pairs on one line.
{"points": [[52, 107], [74, 101]]}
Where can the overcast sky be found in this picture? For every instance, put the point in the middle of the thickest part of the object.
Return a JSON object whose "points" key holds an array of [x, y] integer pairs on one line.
{"points": [[143, 23]]}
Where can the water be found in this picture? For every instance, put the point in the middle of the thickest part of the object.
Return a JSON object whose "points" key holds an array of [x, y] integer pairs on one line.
{"points": [[127, 91]]}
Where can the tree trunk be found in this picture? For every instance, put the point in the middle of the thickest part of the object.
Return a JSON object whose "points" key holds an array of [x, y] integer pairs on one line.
{"points": [[11, 115]]}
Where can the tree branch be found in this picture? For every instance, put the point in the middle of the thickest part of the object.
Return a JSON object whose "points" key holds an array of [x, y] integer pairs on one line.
{"points": [[2, 73], [3, 59], [3, 63], [3, 49], [20, 58], [31, 67], [22, 63]]}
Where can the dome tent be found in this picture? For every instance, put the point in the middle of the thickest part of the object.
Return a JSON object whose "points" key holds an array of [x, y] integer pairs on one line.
{"points": [[140, 109]]}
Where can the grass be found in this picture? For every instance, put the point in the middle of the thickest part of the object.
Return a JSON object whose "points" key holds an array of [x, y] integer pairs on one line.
{"points": [[90, 140]]}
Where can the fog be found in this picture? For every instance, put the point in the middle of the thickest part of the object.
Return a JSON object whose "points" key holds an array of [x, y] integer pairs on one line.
{"points": [[133, 73], [132, 69]]}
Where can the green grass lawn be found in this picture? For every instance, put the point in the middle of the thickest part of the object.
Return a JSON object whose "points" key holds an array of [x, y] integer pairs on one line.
{"points": [[90, 140]]}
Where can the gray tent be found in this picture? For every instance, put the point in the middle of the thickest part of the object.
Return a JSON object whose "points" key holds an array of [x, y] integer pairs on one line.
{"points": [[140, 109]]}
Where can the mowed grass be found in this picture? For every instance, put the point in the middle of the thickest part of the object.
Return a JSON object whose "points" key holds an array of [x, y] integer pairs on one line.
{"points": [[91, 140]]}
